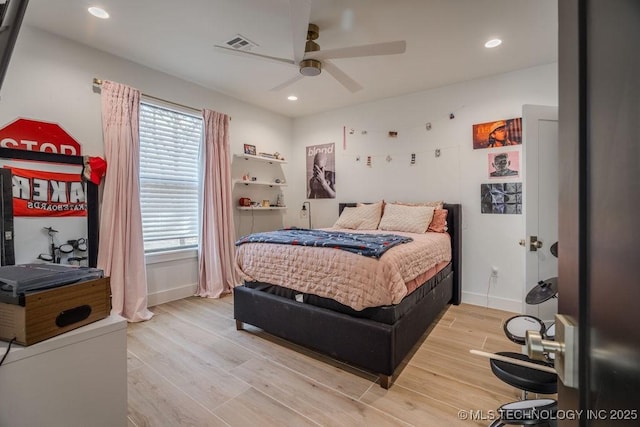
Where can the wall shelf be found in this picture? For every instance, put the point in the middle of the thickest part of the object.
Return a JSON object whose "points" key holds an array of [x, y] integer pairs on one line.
{"points": [[269, 170], [259, 158], [270, 184], [260, 208]]}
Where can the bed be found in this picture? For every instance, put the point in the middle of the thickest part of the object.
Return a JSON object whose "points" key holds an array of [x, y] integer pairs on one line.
{"points": [[375, 339]]}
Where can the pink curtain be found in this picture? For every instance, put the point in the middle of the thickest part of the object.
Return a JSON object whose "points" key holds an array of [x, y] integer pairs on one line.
{"points": [[217, 275], [121, 248]]}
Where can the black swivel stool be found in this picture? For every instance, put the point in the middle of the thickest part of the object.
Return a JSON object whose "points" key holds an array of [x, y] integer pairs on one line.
{"points": [[523, 378], [527, 380]]}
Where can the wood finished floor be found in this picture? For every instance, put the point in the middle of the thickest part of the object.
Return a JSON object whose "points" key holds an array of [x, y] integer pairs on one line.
{"points": [[189, 366]]}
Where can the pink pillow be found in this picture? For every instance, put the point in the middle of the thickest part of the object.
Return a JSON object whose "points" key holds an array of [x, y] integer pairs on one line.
{"points": [[439, 221]]}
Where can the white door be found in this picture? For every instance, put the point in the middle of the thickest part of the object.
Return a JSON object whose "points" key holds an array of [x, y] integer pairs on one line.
{"points": [[540, 150]]}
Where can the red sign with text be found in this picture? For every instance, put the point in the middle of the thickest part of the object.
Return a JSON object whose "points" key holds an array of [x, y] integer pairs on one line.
{"points": [[25, 134], [38, 193]]}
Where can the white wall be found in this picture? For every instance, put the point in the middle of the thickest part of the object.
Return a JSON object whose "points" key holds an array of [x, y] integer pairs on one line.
{"points": [[50, 79], [455, 176]]}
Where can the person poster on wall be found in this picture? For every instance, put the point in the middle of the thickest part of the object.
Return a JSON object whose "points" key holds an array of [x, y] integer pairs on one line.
{"points": [[501, 133], [504, 164], [504, 198], [321, 175]]}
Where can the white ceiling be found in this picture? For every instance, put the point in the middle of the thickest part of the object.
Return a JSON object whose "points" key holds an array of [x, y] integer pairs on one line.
{"points": [[445, 42]]}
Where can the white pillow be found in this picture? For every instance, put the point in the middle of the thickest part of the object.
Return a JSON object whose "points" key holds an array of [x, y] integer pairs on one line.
{"points": [[363, 217], [411, 219]]}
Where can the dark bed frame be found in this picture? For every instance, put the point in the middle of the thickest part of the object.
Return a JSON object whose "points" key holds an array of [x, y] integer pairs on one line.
{"points": [[367, 344]]}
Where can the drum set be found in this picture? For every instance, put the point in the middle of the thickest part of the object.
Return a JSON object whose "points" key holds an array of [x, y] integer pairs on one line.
{"points": [[73, 250], [539, 381], [516, 327]]}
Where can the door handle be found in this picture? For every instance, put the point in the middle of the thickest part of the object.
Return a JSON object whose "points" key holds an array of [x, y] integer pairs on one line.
{"points": [[534, 243], [564, 347], [537, 347]]}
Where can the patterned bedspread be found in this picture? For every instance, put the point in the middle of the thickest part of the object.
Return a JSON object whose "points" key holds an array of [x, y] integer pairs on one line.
{"points": [[346, 277], [371, 245]]}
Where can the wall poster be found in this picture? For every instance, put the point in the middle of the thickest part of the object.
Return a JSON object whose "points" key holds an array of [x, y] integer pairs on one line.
{"points": [[504, 164], [321, 175], [501, 133], [504, 198]]}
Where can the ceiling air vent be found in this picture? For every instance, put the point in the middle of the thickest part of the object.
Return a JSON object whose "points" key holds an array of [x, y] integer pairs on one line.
{"points": [[240, 42]]}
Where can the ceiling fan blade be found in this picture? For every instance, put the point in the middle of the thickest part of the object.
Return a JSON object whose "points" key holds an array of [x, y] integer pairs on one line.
{"points": [[341, 77], [287, 83], [300, 11], [246, 54], [386, 48]]}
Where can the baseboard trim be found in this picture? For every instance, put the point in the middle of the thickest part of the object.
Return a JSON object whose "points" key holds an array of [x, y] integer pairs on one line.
{"points": [[169, 295], [498, 303]]}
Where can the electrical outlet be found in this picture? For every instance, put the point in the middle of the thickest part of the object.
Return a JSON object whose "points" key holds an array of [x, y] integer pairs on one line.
{"points": [[494, 271]]}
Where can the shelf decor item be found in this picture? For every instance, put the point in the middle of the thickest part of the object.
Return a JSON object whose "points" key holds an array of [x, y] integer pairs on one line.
{"points": [[250, 149]]}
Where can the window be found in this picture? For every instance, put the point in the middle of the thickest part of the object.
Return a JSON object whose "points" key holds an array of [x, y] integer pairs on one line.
{"points": [[169, 177]]}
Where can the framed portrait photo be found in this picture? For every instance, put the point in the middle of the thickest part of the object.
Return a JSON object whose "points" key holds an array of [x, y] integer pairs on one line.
{"points": [[250, 149], [501, 133], [505, 164]]}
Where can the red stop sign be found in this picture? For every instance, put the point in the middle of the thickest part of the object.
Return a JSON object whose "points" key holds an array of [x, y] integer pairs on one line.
{"points": [[25, 134]]}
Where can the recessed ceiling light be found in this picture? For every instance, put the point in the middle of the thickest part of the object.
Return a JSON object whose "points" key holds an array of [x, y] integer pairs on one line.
{"points": [[292, 98], [98, 12], [493, 43]]}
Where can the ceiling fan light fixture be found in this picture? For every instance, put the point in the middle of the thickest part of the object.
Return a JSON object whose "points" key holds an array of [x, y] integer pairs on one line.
{"points": [[310, 67], [311, 46], [313, 32], [98, 12]]}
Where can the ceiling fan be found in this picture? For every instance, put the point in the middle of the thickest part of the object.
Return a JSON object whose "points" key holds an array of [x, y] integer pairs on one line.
{"points": [[311, 60]]}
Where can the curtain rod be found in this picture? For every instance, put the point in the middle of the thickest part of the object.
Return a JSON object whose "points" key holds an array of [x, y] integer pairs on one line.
{"points": [[98, 82]]}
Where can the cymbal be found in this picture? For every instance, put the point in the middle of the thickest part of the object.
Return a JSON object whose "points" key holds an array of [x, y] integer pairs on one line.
{"points": [[554, 249], [544, 290]]}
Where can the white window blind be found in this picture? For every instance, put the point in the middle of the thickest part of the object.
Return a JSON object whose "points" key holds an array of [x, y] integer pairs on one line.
{"points": [[169, 177]]}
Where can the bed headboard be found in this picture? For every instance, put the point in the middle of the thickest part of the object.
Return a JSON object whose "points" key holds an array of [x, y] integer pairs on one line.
{"points": [[454, 224]]}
